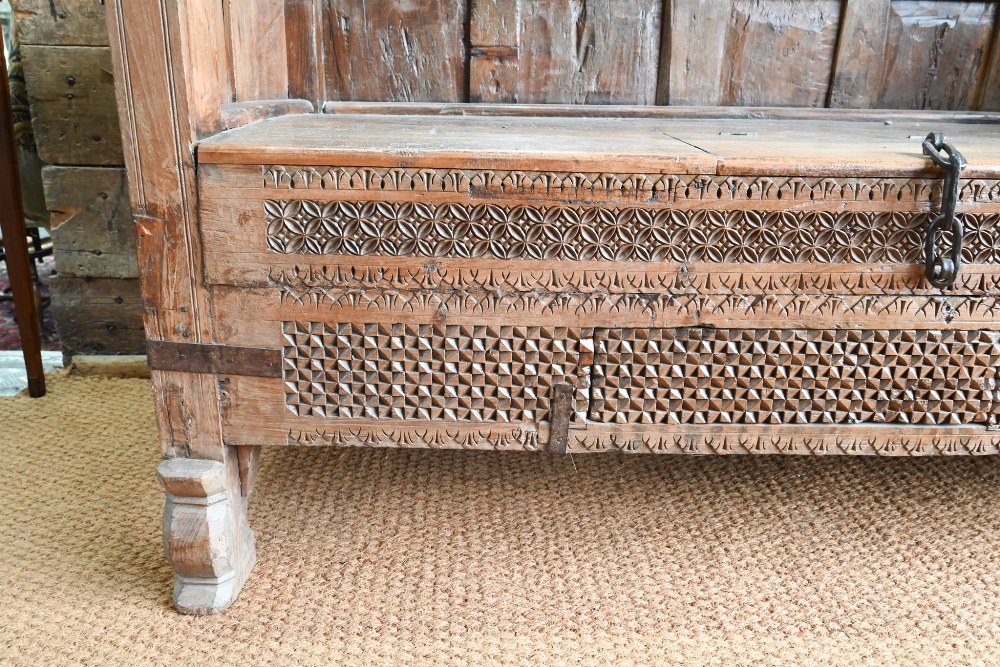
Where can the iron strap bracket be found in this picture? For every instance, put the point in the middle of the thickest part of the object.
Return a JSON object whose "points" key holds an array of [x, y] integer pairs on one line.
{"points": [[942, 269], [210, 358]]}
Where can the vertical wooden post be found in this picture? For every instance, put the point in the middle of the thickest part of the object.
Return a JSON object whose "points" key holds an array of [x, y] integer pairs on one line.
{"points": [[16, 245], [171, 77]]}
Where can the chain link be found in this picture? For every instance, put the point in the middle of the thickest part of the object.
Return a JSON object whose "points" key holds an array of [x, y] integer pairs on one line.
{"points": [[943, 268]]}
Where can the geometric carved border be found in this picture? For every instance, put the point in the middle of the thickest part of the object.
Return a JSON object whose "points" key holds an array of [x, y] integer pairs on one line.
{"points": [[307, 283], [610, 233]]}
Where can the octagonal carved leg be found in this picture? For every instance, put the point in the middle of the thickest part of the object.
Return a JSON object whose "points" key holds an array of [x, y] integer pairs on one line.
{"points": [[205, 532]]}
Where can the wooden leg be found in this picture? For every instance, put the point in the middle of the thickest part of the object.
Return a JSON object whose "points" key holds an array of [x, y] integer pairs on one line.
{"points": [[205, 532]]}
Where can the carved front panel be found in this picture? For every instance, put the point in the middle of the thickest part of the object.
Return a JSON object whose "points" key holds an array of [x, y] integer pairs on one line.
{"points": [[427, 371], [642, 375], [692, 313]]}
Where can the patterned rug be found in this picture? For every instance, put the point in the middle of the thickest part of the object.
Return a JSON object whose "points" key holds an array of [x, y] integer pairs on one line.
{"points": [[9, 337]]}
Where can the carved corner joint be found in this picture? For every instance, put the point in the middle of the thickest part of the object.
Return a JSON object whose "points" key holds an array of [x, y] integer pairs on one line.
{"points": [[206, 535]]}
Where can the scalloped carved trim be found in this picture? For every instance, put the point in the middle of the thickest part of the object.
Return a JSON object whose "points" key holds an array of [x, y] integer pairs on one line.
{"points": [[666, 188], [304, 280]]}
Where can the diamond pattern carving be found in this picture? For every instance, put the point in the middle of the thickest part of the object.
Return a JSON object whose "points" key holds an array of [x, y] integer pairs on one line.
{"points": [[642, 375], [776, 376], [426, 371]]}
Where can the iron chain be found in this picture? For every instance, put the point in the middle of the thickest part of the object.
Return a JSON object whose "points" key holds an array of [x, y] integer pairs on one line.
{"points": [[943, 268]]}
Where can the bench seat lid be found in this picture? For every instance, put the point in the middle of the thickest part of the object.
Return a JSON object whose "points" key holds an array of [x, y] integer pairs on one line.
{"points": [[790, 147]]}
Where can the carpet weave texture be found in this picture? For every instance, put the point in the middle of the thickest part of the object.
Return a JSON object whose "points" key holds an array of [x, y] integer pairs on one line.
{"points": [[425, 558]]}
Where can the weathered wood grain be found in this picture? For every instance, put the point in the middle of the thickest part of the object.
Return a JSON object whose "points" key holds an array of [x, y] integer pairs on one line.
{"points": [[936, 54], [916, 55], [258, 51], [412, 51], [304, 40], [677, 112], [860, 54], [98, 315], [749, 52], [637, 145], [594, 51], [990, 89], [175, 51], [61, 22], [236, 114], [92, 229], [72, 95], [173, 77], [206, 535], [494, 44]]}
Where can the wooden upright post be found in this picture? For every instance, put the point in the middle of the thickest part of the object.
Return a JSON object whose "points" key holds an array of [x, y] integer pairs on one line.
{"points": [[172, 76], [16, 245]]}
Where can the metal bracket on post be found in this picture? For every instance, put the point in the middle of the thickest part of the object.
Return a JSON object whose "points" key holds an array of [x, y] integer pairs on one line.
{"points": [[942, 269]]}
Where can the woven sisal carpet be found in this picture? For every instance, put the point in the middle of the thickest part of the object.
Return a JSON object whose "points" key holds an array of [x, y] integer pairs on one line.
{"points": [[405, 557]]}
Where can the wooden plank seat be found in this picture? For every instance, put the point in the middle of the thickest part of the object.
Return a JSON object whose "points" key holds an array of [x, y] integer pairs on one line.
{"points": [[714, 281]]}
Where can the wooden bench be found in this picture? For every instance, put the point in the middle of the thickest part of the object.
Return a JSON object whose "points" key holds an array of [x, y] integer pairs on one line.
{"points": [[570, 280]]}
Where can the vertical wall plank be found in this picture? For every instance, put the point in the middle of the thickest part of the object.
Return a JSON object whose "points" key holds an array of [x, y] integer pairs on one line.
{"points": [[494, 41], [258, 49], [589, 51], [751, 52], [860, 54], [694, 36], [304, 37], [936, 54], [413, 51], [989, 99]]}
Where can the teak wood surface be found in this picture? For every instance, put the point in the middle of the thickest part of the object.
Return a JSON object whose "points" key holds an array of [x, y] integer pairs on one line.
{"points": [[732, 282]]}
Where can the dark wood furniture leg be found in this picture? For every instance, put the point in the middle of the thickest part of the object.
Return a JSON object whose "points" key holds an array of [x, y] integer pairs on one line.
{"points": [[16, 246]]}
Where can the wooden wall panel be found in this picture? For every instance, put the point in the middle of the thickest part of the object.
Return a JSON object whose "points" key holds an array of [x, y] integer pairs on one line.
{"points": [[304, 36], [407, 50], [98, 315], [936, 54], [909, 54], [990, 97], [258, 55], [749, 52], [72, 95], [60, 22], [917, 55], [588, 51], [92, 232]]}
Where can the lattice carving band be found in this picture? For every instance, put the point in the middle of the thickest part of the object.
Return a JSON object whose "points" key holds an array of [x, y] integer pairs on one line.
{"points": [[624, 233]]}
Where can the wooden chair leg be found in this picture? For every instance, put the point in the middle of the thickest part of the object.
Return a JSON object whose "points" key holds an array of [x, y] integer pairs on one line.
{"points": [[205, 532], [16, 245]]}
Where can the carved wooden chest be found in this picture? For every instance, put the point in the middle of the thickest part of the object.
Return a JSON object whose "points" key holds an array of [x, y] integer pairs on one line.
{"points": [[594, 284]]}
